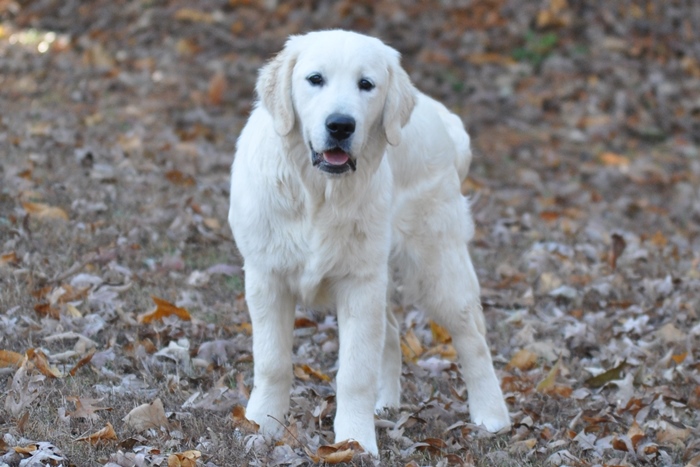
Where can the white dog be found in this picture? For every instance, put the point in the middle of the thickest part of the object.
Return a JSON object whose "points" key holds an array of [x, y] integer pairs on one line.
{"points": [[345, 176]]}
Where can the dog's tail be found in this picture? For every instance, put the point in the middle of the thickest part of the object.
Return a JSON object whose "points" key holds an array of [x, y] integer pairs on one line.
{"points": [[460, 138]]}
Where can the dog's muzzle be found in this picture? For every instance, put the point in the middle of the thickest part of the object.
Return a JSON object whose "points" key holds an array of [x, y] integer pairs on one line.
{"points": [[333, 161]]}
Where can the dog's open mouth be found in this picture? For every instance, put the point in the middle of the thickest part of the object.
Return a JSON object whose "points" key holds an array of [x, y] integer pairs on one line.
{"points": [[334, 161]]}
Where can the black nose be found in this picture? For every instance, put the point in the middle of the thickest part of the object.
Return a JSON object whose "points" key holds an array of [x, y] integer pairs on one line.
{"points": [[340, 126]]}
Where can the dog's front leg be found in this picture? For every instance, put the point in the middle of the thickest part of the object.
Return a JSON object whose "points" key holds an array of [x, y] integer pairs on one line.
{"points": [[271, 308], [361, 323]]}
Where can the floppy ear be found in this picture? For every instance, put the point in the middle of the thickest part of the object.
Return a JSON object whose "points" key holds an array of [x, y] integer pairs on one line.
{"points": [[400, 101], [274, 88]]}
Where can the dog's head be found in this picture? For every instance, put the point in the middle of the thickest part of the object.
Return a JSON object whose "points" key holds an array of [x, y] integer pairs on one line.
{"points": [[344, 93]]}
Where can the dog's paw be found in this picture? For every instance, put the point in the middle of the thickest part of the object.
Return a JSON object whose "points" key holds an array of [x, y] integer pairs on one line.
{"points": [[383, 404], [493, 417], [268, 425], [362, 432]]}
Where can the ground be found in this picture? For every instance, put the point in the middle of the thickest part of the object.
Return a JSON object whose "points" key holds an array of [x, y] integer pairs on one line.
{"points": [[120, 284]]}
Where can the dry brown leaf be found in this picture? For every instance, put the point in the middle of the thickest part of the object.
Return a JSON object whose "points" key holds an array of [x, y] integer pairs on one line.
{"points": [[342, 451], [440, 334], [614, 160], [45, 309], [44, 211], [635, 434], [548, 383], [550, 215], [28, 449], [9, 258], [85, 408], [82, 362], [9, 358], [619, 444], [523, 360], [304, 323], [659, 239], [240, 421], [184, 459], [187, 47], [163, 309], [446, 351], [317, 373], [177, 177], [556, 15], [147, 416], [411, 346], [217, 88], [523, 446], [195, 16], [435, 445], [671, 434], [39, 360], [617, 248], [105, 434]]}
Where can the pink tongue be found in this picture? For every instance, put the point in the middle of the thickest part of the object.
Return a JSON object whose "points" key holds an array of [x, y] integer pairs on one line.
{"points": [[336, 157]]}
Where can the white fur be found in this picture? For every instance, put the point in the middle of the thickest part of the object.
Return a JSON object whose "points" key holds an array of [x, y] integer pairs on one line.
{"points": [[333, 240]]}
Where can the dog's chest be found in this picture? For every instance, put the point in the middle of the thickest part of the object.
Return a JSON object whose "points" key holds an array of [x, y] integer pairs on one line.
{"points": [[316, 245]]}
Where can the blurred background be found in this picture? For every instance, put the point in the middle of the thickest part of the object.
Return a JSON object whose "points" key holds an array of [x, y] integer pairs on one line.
{"points": [[118, 123]]}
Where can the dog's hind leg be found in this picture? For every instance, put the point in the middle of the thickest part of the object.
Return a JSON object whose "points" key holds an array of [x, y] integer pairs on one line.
{"points": [[450, 295], [390, 374], [271, 308]]}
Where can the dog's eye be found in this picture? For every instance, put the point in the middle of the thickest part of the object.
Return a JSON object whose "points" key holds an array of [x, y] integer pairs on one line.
{"points": [[365, 84], [315, 79]]}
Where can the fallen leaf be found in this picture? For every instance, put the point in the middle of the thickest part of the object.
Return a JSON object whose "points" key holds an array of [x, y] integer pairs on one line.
{"points": [[177, 177], [85, 408], [615, 160], [617, 247], [81, 363], [670, 334], [44, 211], [440, 334], [523, 360], [240, 421], [217, 88], [9, 258], [607, 376], [672, 434], [342, 451], [195, 16], [30, 448], [304, 323], [147, 416], [39, 360], [635, 434], [304, 371], [105, 434], [548, 382], [411, 346], [435, 445], [184, 459], [9, 358], [45, 309], [659, 239], [163, 309], [523, 446]]}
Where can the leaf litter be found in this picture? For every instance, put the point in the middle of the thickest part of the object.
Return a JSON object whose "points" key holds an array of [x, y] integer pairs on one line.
{"points": [[118, 130]]}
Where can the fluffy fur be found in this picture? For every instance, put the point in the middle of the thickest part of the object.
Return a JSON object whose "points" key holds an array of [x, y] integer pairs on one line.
{"points": [[336, 240]]}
